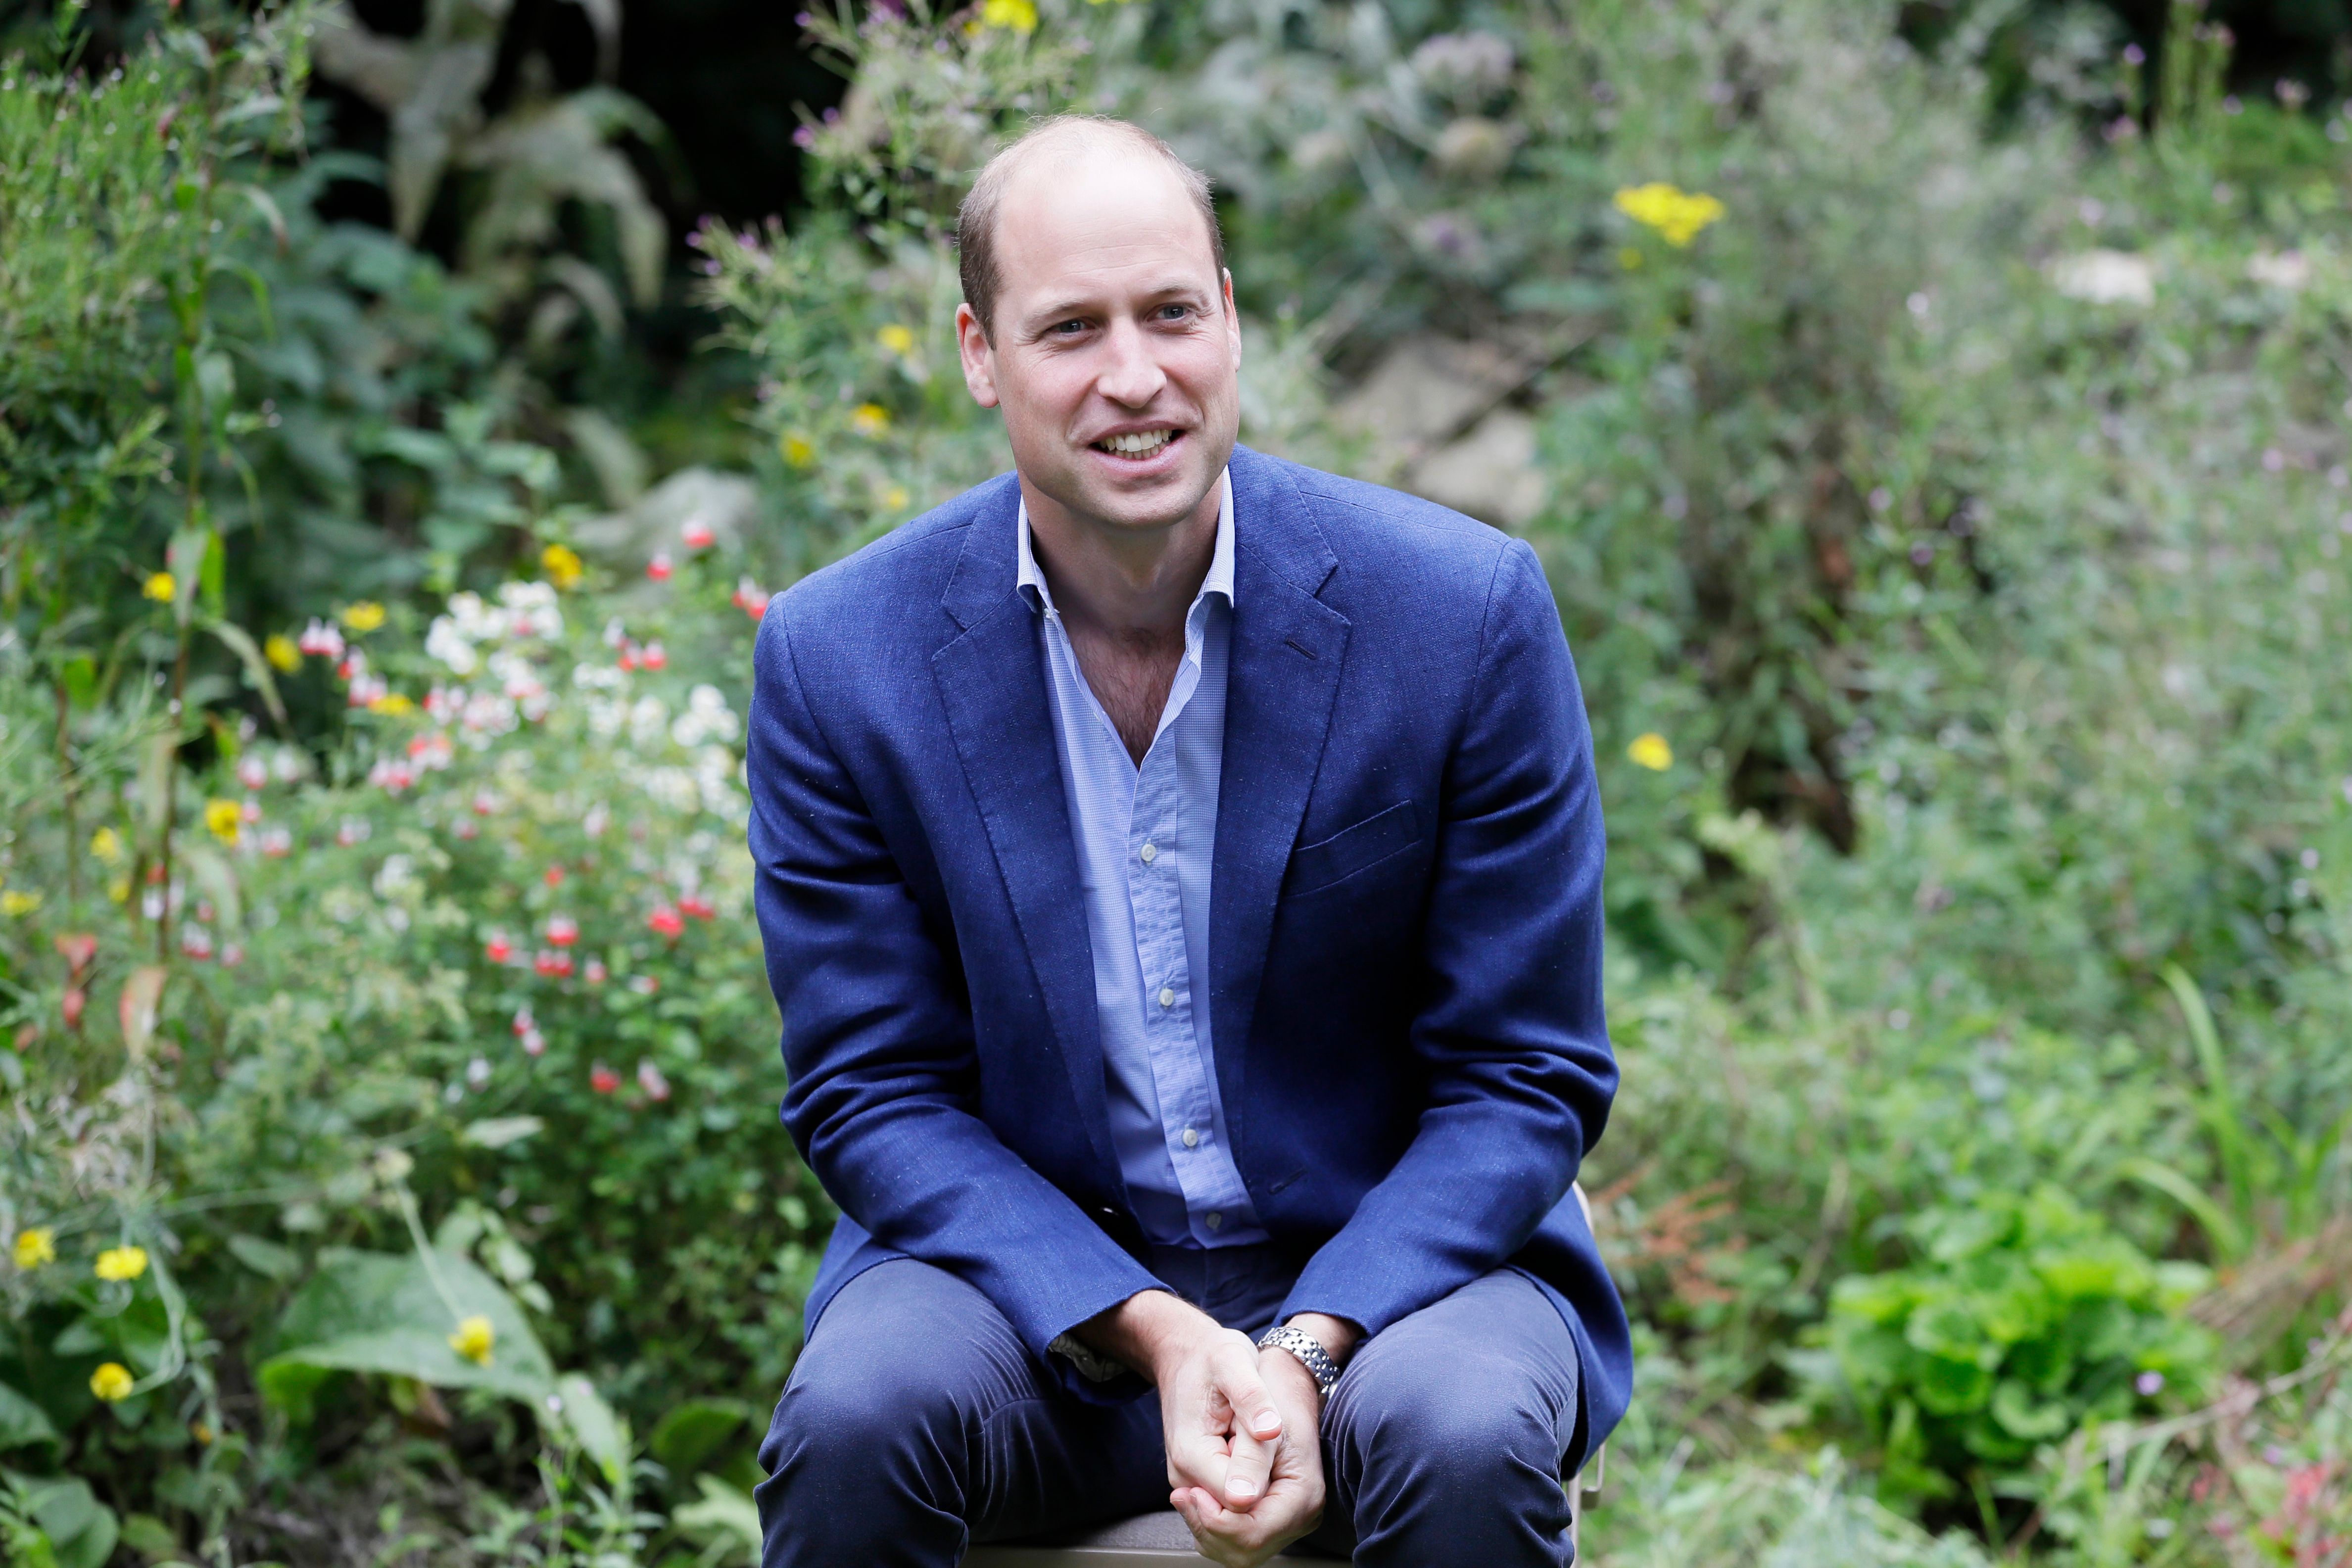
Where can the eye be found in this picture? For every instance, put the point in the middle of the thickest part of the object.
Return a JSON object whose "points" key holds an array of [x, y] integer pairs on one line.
{"points": [[1173, 312], [1068, 329]]}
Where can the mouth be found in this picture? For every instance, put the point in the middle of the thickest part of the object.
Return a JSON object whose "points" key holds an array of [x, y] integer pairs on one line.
{"points": [[1139, 446]]}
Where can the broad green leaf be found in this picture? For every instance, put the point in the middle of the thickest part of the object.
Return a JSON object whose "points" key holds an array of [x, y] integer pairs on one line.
{"points": [[22, 1422], [602, 1436], [695, 1430], [80, 1528], [257, 668], [724, 1515], [266, 1258], [383, 1313], [497, 1132]]}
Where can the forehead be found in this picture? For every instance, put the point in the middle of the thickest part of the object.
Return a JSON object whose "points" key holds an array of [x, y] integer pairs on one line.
{"points": [[1090, 217]]}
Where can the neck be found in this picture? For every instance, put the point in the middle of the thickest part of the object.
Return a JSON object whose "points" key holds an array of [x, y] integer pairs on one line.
{"points": [[1132, 583]]}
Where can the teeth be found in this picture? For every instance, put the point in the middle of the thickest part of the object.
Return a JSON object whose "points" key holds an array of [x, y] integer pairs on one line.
{"points": [[1142, 444]]}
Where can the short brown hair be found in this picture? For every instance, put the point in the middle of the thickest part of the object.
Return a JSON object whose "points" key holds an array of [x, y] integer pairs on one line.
{"points": [[976, 219]]}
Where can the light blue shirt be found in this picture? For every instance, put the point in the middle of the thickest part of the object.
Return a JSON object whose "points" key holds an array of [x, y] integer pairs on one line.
{"points": [[1145, 838]]}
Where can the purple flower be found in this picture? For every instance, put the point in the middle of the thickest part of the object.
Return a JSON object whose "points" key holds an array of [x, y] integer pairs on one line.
{"points": [[806, 137], [2134, 55], [2149, 1383]]}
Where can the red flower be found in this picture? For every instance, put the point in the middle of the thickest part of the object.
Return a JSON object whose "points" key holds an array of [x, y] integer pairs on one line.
{"points": [[750, 600], [695, 904], [484, 803], [522, 1022], [650, 1080], [659, 569], [653, 657], [643, 984], [497, 949], [603, 1079], [75, 1001], [595, 972], [555, 876], [533, 1042], [628, 656], [553, 964], [665, 922], [563, 930], [697, 534]]}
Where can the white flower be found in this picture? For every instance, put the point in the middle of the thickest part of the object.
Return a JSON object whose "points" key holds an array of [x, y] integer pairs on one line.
{"points": [[707, 717], [474, 619], [445, 642], [2105, 277], [397, 874], [647, 719], [674, 788], [597, 677], [2289, 270], [531, 610]]}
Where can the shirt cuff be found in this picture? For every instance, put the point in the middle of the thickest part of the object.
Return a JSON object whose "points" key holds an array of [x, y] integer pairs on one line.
{"points": [[1092, 1364]]}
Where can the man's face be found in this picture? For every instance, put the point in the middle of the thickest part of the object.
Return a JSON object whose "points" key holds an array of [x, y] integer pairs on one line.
{"points": [[1115, 355]]}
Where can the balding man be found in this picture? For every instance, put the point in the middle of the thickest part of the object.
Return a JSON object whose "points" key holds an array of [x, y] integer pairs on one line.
{"points": [[1180, 871]]}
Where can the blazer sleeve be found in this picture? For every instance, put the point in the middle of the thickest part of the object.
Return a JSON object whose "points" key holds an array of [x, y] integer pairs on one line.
{"points": [[1513, 1035], [878, 1045]]}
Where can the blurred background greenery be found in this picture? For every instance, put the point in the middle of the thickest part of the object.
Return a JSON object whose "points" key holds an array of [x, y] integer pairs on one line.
{"points": [[1936, 420]]}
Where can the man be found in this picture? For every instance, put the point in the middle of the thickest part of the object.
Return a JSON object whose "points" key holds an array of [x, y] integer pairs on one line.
{"points": [[1180, 871]]}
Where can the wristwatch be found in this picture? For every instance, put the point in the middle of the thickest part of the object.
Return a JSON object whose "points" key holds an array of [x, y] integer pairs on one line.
{"points": [[1309, 1352]]}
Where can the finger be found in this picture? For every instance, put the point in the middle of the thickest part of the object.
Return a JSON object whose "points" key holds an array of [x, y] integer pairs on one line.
{"points": [[1246, 1470], [1197, 1460], [1252, 1402]]}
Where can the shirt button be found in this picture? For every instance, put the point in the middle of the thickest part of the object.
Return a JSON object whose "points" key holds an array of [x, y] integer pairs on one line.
{"points": [[1150, 853], [1191, 1138], [1167, 996], [1213, 1219]]}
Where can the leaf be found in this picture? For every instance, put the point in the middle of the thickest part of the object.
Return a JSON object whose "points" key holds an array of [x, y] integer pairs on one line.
{"points": [[82, 1530], [382, 1313], [694, 1431], [588, 1421], [497, 1132], [22, 1422], [257, 668], [141, 995], [266, 1258], [724, 1514], [209, 870]]}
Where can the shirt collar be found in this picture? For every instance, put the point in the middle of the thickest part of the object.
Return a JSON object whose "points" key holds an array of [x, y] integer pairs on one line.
{"points": [[1031, 577]]}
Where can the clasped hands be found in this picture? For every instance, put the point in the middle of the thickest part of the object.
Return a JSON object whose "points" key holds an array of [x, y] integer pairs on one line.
{"points": [[1242, 1426]]}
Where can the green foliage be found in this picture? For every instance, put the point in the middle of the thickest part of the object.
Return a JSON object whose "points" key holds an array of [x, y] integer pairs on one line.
{"points": [[2023, 1318]]}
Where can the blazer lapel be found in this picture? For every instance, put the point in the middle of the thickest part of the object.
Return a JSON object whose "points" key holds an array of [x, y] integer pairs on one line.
{"points": [[1282, 677], [993, 687]]}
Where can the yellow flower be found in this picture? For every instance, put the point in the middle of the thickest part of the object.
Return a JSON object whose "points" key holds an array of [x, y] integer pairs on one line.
{"points": [[365, 616], [14, 902], [223, 818], [1677, 216], [562, 564], [473, 1340], [1021, 16], [111, 1382], [872, 418], [119, 890], [35, 1245], [894, 497], [797, 449], [120, 1264], [896, 339], [391, 702], [1651, 751], [282, 652], [107, 845], [161, 586]]}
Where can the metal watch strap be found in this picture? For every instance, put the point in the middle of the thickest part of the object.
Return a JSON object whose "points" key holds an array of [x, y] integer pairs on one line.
{"points": [[1309, 1352]]}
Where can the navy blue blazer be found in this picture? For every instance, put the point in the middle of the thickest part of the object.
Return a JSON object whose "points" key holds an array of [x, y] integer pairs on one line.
{"points": [[1404, 932]]}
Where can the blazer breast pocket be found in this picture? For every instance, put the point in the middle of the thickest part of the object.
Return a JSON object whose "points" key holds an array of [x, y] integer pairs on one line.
{"points": [[1319, 865]]}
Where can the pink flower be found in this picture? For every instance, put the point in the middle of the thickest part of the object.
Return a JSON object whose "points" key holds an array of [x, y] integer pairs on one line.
{"points": [[603, 1079], [750, 600], [643, 984], [252, 811], [563, 930], [650, 1080], [697, 534], [196, 943], [533, 1042], [484, 803], [252, 772], [497, 949], [595, 972], [659, 568], [553, 963], [75, 1001], [665, 922], [277, 842], [700, 907], [628, 660], [653, 658], [231, 955], [470, 829], [522, 1022], [321, 640]]}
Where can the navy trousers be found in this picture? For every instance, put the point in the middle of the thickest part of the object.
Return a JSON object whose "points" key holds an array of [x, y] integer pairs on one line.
{"points": [[916, 1422]]}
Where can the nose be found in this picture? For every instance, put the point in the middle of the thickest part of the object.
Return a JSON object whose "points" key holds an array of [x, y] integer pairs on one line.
{"points": [[1131, 374]]}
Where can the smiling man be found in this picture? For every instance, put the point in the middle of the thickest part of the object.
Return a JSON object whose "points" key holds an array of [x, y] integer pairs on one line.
{"points": [[1181, 877]]}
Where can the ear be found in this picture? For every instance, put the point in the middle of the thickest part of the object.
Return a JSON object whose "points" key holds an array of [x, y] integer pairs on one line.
{"points": [[979, 359], [1233, 321]]}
